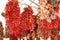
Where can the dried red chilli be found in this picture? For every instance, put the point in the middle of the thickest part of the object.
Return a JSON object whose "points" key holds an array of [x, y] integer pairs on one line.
{"points": [[12, 16], [43, 23], [27, 18], [56, 22], [49, 25], [56, 8]]}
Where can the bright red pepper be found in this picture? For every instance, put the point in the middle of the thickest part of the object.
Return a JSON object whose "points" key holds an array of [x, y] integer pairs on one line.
{"points": [[27, 19], [12, 16]]}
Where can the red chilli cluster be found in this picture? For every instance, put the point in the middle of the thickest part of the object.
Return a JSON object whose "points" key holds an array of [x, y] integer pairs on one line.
{"points": [[20, 23], [17, 23]]}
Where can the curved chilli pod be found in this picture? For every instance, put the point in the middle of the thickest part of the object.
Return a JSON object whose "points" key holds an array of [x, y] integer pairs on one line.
{"points": [[46, 25], [56, 9], [43, 23], [27, 19], [12, 16], [56, 23], [49, 25]]}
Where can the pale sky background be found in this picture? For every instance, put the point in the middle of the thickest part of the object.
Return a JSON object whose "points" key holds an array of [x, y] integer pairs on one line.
{"points": [[2, 5]]}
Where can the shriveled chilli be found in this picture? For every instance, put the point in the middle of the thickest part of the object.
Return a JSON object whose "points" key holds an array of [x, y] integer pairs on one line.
{"points": [[49, 25], [27, 19], [12, 16]]}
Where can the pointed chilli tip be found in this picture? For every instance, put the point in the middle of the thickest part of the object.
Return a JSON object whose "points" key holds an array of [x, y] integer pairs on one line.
{"points": [[30, 8]]}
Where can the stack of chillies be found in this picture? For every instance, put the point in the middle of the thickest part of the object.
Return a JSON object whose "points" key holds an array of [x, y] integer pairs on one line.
{"points": [[27, 20], [47, 20], [12, 16]]}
